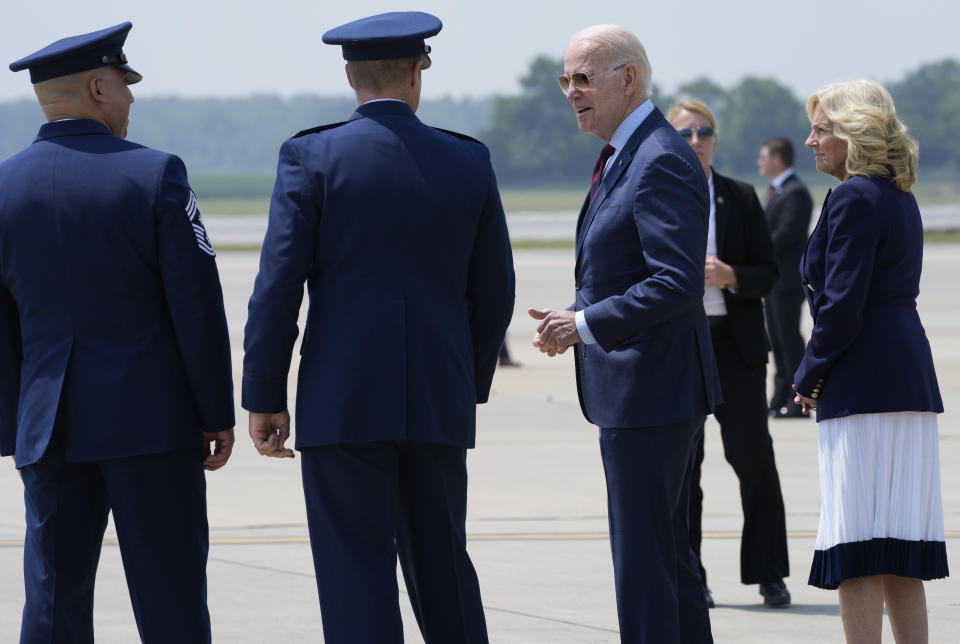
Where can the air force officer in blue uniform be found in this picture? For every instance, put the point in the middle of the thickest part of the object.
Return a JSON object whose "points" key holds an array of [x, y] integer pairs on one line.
{"points": [[644, 360], [398, 231], [114, 357]]}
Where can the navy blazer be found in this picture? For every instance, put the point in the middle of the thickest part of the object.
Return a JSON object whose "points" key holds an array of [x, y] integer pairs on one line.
{"points": [[788, 218], [110, 301], [743, 241], [640, 253], [868, 352], [398, 230]]}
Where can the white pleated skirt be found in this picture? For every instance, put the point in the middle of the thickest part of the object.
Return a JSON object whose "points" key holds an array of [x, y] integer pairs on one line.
{"points": [[880, 506]]}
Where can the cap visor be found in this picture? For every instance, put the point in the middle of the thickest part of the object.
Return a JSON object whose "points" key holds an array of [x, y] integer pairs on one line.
{"points": [[131, 76]]}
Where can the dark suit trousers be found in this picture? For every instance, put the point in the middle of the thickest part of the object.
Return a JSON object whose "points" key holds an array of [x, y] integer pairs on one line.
{"points": [[367, 505], [659, 598], [748, 447], [782, 311], [159, 510]]}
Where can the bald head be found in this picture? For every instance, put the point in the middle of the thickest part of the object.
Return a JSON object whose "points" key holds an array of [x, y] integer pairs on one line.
{"points": [[65, 92], [99, 94]]}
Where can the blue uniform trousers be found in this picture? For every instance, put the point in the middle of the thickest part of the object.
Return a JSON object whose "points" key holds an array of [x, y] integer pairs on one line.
{"points": [[659, 594], [159, 510], [367, 505]]}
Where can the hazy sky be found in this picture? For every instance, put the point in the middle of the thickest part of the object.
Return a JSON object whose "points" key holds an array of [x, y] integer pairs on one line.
{"points": [[207, 48]]}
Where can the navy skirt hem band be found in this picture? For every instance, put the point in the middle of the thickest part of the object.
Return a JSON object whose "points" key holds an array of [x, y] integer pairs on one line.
{"points": [[916, 559]]}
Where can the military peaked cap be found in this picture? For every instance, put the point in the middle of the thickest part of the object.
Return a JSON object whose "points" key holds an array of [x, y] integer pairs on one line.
{"points": [[397, 34], [80, 53]]}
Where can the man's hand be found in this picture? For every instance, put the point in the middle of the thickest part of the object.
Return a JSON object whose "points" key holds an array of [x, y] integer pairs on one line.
{"points": [[222, 443], [557, 330], [718, 273], [269, 432]]}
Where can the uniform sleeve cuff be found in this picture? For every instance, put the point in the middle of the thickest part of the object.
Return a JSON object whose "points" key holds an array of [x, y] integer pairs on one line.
{"points": [[264, 397]]}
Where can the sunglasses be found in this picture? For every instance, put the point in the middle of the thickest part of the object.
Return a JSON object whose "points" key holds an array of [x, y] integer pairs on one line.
{"points": [[703, 132], [581, 81]]}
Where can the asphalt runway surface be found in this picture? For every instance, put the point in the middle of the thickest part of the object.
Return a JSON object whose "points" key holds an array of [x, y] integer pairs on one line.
{"points": [[537, 506]]}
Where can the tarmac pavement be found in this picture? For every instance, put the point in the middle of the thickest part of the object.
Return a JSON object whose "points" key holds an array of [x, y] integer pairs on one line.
{"points": [[248, 230], [537, 506]]}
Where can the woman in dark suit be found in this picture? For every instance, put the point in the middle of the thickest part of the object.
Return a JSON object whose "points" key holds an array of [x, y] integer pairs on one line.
{"points": [[740, 269], [868, 370]]}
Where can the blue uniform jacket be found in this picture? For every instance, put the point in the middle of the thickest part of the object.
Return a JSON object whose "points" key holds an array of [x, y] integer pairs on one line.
{"points": [[110, 306], [398, 231], [640, 251], [868, 352]]}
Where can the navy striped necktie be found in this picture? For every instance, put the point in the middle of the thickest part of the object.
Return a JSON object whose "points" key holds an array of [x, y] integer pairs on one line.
{"points": [[605, 154]]}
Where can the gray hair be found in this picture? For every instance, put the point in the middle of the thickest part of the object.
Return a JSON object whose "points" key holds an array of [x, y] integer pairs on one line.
{"points": [[622, 47]]}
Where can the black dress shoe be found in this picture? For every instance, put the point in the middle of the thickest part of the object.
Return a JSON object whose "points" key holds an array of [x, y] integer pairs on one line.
{"points": [[709, 597], [775, 594]]}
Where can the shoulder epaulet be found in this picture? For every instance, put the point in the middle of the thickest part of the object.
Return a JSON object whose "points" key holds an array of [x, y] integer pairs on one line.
{"points": [[459, 135], [319, 128]]}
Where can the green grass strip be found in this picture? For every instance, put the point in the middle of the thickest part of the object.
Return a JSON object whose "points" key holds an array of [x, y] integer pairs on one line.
{"points": [[942, 237]]}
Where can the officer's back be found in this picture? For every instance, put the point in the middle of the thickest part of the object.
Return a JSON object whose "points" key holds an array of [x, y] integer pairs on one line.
{"points": [[81, 247], [417, 231], [397, 227], [114, 354], [398, 231]]}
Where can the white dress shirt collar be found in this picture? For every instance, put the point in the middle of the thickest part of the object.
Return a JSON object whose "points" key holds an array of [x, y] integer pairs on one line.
{"points": [[380, 100], [626, 129], [780, 178]]}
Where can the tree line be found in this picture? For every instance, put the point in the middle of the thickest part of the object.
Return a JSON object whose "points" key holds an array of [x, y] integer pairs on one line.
{"points": [[534, 141], [532, 135], [233, 135]]}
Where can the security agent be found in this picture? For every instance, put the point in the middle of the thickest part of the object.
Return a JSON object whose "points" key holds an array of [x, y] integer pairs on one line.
{"points": [[398, 230], [115, 376], [788, 208]]}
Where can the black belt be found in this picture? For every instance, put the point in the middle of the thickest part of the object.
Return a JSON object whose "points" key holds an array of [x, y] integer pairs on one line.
{"points": [[716, 320]]}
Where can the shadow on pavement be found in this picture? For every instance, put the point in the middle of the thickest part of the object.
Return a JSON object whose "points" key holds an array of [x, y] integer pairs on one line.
{"points": [[803, 609]]}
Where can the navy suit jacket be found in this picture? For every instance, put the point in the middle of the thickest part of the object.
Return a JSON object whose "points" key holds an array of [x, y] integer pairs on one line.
{"points": [[110, 302], [398, 231], [640, 254], [868, 352], [788, 218], [743, 241]]}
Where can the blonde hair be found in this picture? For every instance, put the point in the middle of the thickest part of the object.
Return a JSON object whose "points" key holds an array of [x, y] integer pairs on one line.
{"points": [[878, 144], [622, 47], [692, 105]]}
